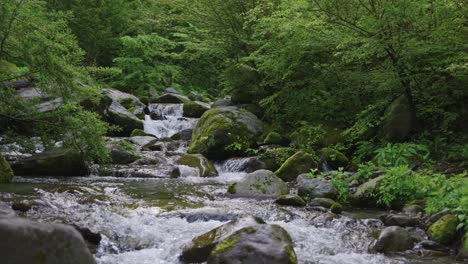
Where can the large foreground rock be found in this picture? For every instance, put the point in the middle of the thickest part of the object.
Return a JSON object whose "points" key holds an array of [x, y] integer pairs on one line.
{"points": [[57, 162], [25, 241], [393, 238], [255, 244], [225, 132], [315, 187], [299, 163], [260, 184]]}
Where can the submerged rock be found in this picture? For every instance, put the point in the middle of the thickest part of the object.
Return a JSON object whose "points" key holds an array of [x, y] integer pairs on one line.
{"points": [[444, 230], [261, 184], [33, 242], [6, 173], [200, 247], [225, 132], [315, 187], [393, 238], [198, 161], [300, 162], [255, 244], [57, 162]]}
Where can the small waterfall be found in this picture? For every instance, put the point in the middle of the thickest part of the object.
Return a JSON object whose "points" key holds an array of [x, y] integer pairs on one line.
{"points": [[232, 165], [172, 120]]}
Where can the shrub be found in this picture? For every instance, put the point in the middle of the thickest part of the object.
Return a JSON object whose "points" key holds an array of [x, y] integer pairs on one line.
{"points": [[401, 154]]}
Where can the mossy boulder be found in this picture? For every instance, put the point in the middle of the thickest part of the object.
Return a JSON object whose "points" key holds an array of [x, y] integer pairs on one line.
{"points": [[57, 162], [225, 132], [123, 152], [398, 120], [198, 161], [6, 173], [300, 162], [309, 188], [195, 109], [444, 230], [140, 132], [366, 193], [274, 138], [171, 98], [255, 244], [274, 158], [334, 158], [259, 184], [123, 118], [290, 199], [393, 238], [200, 247]]}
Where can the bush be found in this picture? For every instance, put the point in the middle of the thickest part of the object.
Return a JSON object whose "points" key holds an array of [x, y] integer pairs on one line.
{"points": [[401, 154]]}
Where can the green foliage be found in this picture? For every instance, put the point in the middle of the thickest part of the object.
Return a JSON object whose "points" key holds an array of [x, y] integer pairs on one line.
{"points": [[307, 136], [340, 181], [365, 172], [401, 154]]}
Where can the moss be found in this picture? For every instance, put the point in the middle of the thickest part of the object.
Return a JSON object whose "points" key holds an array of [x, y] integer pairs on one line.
{"points": [[274, 158], [334, 157], [444, 230], [274, 138], [204, 166], [6, 173], [232, 188], [139, 132], [336, 208], [299, 163], [292, 200], [192, 109], [127, 103], [292, 255], [144, 99], [226, 244]]}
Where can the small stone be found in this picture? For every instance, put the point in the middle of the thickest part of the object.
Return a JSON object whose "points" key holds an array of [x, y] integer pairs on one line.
{"points": [[292, 200]]}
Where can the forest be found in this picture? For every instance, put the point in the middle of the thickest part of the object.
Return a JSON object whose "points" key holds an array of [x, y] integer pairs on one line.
{"points": [[280, 119]]}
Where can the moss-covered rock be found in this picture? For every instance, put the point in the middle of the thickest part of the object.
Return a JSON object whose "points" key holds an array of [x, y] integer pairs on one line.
{"points": [[398, 120], [274, 158], [171, 99], [225, 132], [300, 162], [334, 158], [444, 230], [6, 173], [255, 244], [366, 193], [123, 118], [123, 152], [57, 162], [260, 184], [198, 97], [274, 138], [290, 199], [200, 247], [393, 238], [144, 100], [126, 102], [139, 132], [204, 166], [195, 109]]}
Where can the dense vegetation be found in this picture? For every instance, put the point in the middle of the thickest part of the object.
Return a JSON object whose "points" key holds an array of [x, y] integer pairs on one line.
{"points": [[325, 73]]}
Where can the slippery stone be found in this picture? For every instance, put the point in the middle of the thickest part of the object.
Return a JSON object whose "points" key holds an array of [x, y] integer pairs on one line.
{"points": [[393, 238], [444, 230], [315, 187], [300, 162], [204, 166], [259, 184]]}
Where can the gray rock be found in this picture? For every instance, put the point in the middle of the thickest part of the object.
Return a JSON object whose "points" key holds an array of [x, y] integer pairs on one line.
{"points": [[259, 184], [143, 140], [316, 187], [399, 220], [393, 238], [365, 193], [120, 116], [121, 155], [222, 102], [49, 105], [255, 244], [33, 242], [290, 199], [413, 210], [118, 96], [185, 134], [171, 90], [171, 99]]}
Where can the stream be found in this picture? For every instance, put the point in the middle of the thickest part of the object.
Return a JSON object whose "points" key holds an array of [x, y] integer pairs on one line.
{"points": [[148, 219]]}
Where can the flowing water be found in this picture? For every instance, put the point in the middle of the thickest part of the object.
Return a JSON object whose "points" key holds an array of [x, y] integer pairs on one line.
{"points": [[147, 220]]}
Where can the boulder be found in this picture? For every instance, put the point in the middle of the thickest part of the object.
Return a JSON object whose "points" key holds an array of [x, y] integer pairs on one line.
{"points": [[398, 120], [393, 238], [399, 220], [259, 184], [334, 158], [315, 187], [222, 102], [274, 138], [274, 158], [126, 120], [125, 99], [195, 109], [34, 242], [170, 90], [413, 210], [140, 132], [171, 99], [250, 164], [366, 192], [444, 230], [300, 162], [122, 153], [255, 244], [290, 199], [57, 162], [200, 247], [326, 203], [185, 134], [198, 161], [225, 132], [50, 105], [6, 173]]}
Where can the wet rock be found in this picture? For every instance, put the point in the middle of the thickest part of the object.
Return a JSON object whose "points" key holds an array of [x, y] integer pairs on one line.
{"points": [[122, 153], [21, 206], [125, 99], [366, 193], [225, 132], [252, 164], [126, 120], [315, 187], [198, 161], [57, 162], [300, 162], [143, 140], [140, 133], [437, 216], [290, 199], [33, 242], [393, 238], [91, 238], [255, 244], [18, 84], [200, 247], [260, 184], [6, 173], [171, 99], [6, 211], [205, 214], [185, 134], [413, 210], [327, 203], [427, 247], [195, 109], [444, 230], [275, 157], [399, 220], [156, 116], [334, 158], [154, 146]]}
